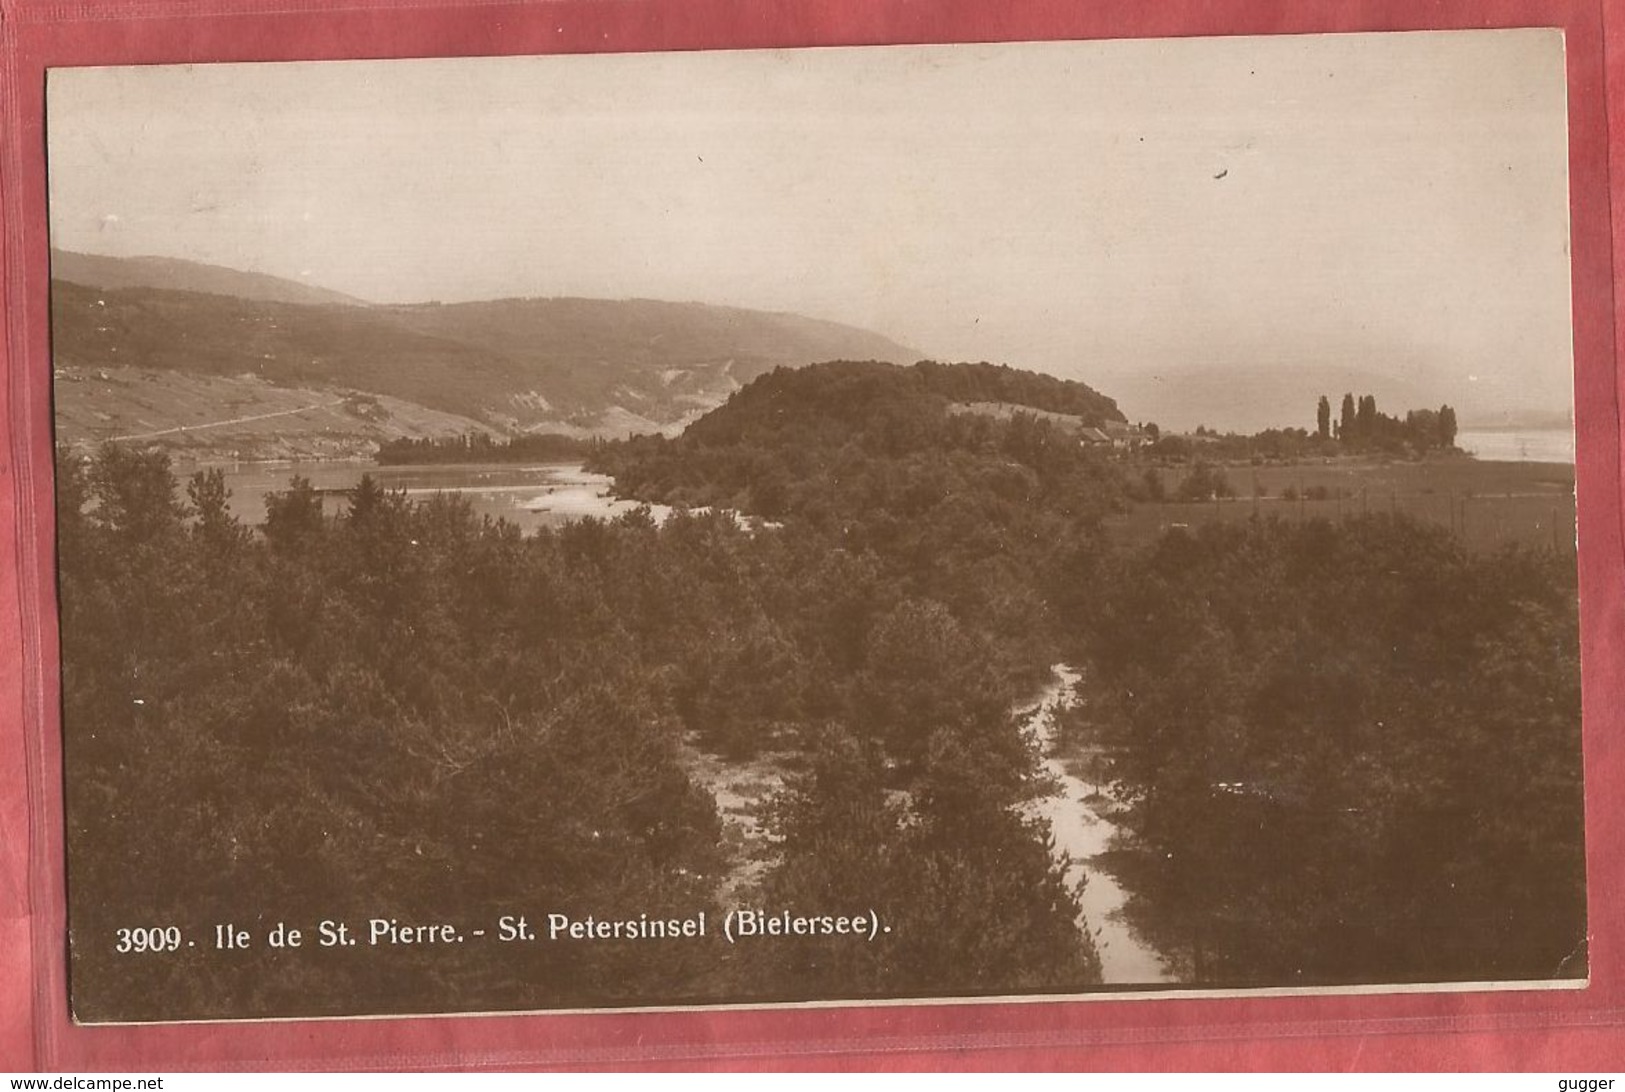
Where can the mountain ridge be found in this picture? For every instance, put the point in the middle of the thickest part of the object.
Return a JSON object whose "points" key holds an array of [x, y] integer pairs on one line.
{"points": [[524, 364], [106, 271]]}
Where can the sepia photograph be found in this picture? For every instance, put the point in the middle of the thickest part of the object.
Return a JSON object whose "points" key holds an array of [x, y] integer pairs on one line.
{"points": [[1030, 520]]}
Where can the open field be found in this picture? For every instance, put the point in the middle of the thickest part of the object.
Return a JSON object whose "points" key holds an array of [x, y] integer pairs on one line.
{"points": [[1489, 504]]}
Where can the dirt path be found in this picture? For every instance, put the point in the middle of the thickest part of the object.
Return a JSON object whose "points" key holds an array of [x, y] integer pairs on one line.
{"points": [[231, 421]]}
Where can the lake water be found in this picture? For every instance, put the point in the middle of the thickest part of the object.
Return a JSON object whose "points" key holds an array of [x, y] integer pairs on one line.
{"points": [[528, 496], [1519, 446]]}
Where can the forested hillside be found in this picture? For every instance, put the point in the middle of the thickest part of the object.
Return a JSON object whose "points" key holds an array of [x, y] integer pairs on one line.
{"points": [[814, 440]]}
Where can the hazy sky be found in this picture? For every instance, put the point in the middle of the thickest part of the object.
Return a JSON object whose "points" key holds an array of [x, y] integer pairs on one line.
{"points": [[1398, 200]]}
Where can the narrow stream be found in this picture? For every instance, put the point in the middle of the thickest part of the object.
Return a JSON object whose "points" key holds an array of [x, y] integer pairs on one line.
{"points": [[741, 790], [1082, 834]]}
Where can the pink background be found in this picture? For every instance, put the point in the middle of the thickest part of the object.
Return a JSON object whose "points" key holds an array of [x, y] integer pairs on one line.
{"points": [[1541, 1030]]}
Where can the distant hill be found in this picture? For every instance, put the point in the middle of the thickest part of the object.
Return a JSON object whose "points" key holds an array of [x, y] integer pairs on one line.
{"points": [[1520, 421], [177, 274], [579, 366], [665, 361], [843, 438], [828, 404]]}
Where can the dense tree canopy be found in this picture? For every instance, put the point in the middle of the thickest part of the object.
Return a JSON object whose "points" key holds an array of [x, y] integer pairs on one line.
{"points": [[1341, 752], [403, 711], [1352, 751]]}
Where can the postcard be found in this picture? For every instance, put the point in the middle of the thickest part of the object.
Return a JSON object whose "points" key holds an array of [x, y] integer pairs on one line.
{"points": [[881, 524]]}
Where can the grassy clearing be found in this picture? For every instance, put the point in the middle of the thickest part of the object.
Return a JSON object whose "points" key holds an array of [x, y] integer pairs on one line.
{"points": [[1488, 504]]}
